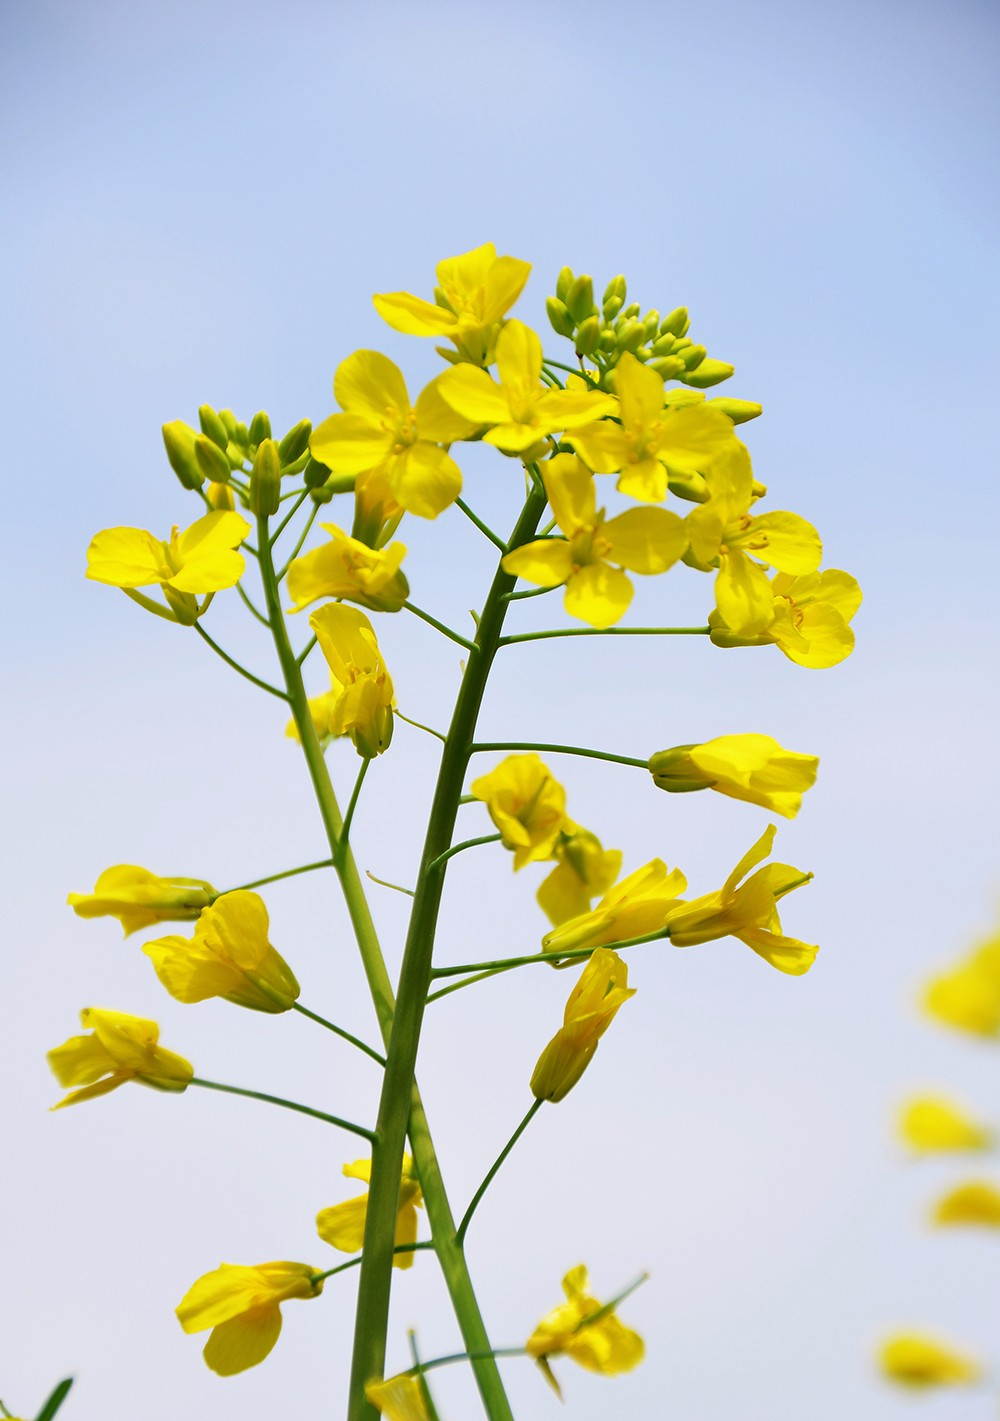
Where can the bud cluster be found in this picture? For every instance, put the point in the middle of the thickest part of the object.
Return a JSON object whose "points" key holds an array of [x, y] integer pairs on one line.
{"points": [[225, 445]]}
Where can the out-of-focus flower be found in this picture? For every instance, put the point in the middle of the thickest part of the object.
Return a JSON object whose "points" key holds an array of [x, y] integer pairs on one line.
{"points": [[968, 996], [605, 1345], [526, 803], [343, 1225], [242, 1306], [975, 1203], [931, 1124], [120, 1048], [916, 1360], [399, 1398], [584, 870]]}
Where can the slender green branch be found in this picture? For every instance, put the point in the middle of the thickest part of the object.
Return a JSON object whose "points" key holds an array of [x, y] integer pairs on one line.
{"points": [[339, 1031], [494, 538], [416, 723], [465, 844], [384, 883], [439, 626], [142, 600], [248, 675], [528, 592], [463, 1227], [352, 804], [287, 1105], [276, 877], [356, 1262], [553, 957], [250, 606], [553, 381], [298, 546], [4, 1411], [55, 1401], [571, 369], [425, 1391], [604, 631], [484, 746], [465, 982], [470, 1357], [289, 516], [300, 659]]}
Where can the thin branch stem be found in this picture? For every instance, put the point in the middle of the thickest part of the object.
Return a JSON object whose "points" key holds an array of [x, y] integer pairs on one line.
{"points": [[339, 1031], [485, 746], [141, 600], [280, 576], [465, 844], [352, 804], [356, 1262], [554, 957], [471, 1357], [348, 1125], [289, 516], [300, 659], [276, 877], [529, 592], [463, 1227], [439, 626], [605, 631], [416, 723], [250, 605], [484, 528], [384, 883], [248, 675]]}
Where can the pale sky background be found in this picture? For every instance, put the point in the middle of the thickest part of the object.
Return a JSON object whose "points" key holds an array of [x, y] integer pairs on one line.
{"points": [[199, 203]]}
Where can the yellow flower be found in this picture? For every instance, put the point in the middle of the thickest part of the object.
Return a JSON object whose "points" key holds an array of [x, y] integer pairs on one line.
{"points": [[748, 911], [602, 989], [527, 804], [242, 1306], [975, 1202], [521, 410], [343, 1225], [605, 1345], [229, 957], [655, 436], [968, 997], [122, 1048], [475, 290], [361, 701], [201, 559], [932, 1123], [583, 871], [380, 430], [750, 767], [346, 568], [137, 897], [916, 1360], [811, 616], [640, 904], [590, 557], [399, 1399]]}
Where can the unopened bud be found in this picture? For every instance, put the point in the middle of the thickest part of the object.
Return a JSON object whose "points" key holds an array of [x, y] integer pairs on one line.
{"points": [[650, 322], [588, 335], [608, 340], [229, 421], [693, 356], [241, 435], [563, 282], [689, 485], [631, 311], [615, 291], [674, 771], [295, 442], [178, 440], [631, 334], [213, 426], [675, 323], [668, 367], [739, 411], [710, 372], [579, 299], [260, 427], [211, 460], [559, 318], [611, 307], [315, 474], [265, 480], [664, 345]]}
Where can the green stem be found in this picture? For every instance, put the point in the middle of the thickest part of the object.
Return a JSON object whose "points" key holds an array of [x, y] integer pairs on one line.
{"points": [[472, 1357], [142, 600], [465, 844], [604, 631], [4, 1411], [287, 1105], [425, 1391], [494, 538], [298, 546], [552, 957], [414, 980], [416, 723], [248, 675], [356, 1262], [439, 626], [289, 516], [528, 592], [484, 746], [352, 804], [339, 1031], [276, 877], [384, 883], [300, 659], [250, 606], [463, 1227], [55, 1401]]}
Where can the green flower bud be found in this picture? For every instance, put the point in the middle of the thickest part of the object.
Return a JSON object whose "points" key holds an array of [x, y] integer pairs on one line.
{"points": [[668, 367], [676, 322], [693, 356], [559, 318], [315, 474], [631, 311], [608, 341], [664, 345], [295, 443], [178, 440], [579, 299], [265, 479], [335, 483], [690, 486], [211, 460], [611, 307], [235, 454], [260, 427], [631, 334], [615, 291], [650, 322], [241, 435], [213, 426], [588, 335], [563, 282], [673, 771], [739, 411], [229, 421], [710, 372]]}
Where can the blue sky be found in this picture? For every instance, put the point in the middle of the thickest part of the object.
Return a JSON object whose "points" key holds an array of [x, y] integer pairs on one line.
{"points": [[201, 201]]}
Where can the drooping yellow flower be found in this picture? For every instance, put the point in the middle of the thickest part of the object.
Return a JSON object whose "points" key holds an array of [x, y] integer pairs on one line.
{"points": [[968, 997], [229, 957], [475, 291], [343, 1225], [584, 870], [754, 768], [121, 1048], [520, 409], [361, 701], [399, 1398], [606, 1345], [748, 911], [202, 559], [655, 437], [527, 804], [811, 617], [640, 904], [589, 558], [242, 1306], [916, 1360], [975, 1203], [930, 1124], [602, 989], [347, 569], [381, 430], [137, 897]]}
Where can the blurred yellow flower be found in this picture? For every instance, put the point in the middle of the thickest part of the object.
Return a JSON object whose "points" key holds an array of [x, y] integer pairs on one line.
{"points": [[931, 1124], [242, 1306], [361, 701], [584, 870], [754, 768], [345, 568], [968, 996], [343, 1225], [974, 1203], [526, 803], [121, 1048], [138, 898], [605, 1345], [399, 1398], [593, 1002], [916, 1360], [229, 957], [639, 904]]}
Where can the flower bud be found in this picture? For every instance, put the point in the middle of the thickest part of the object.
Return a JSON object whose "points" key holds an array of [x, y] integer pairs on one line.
{"points": [[615, 291], [630, 336], [579, 299], [710, 372], [178, 440], [228, 421], [650, 322], [693, 356], [260, 427], [559, 318], [610, 308], [213, 426], [688, 484], [295, 443], [211, 460], [563, 282], [265, 479], [631, 311], [241, 435], [676, 322], [664, 344], [315, 474], [608, 341], [668, 367], [739, 411], [672, 770], [588, 335]]}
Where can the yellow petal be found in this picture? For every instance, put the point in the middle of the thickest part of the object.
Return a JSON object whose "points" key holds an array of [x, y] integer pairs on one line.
{"points": [[350, 443], [474, 395], [975, 1203], [828, 638], [743, 595], [914, 1359], [243, 1341], [639, 391], [570, 489], [368, 384], [399, 1399], [437, 421], [931, 1124], [503, 285], [343, 1225], [646, 540], [424, 479], [547, 562], [782, 540], [127, 557], [603, 446], [413, 316], [519, 357], [598, 594]]}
